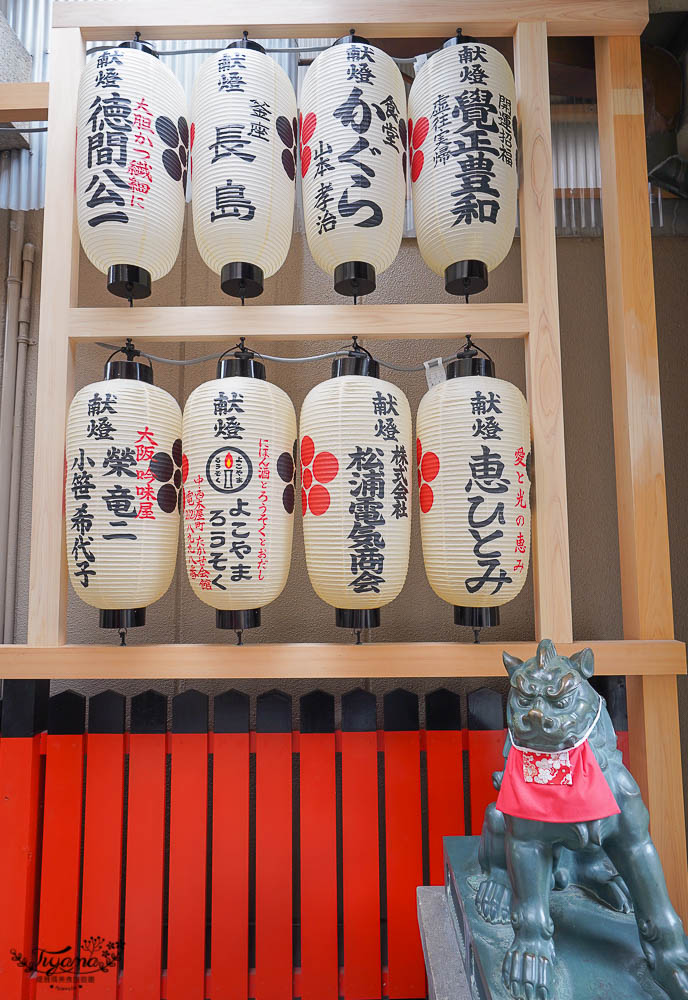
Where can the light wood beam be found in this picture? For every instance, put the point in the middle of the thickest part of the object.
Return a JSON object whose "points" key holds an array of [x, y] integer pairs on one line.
{"points": [[299, 323], [48, 578], [23, 102], [107, 19], [321, 660], [655, 742], [551, 568]]}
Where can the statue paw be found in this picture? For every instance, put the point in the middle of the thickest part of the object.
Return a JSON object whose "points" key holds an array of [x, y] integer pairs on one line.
{"points": [[493, 901], [614, 894], [527, 968], [671, 970]]}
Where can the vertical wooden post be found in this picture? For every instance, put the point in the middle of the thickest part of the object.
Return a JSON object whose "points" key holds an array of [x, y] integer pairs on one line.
{"points": [[654, 733], [48, 579], [551, 570]]}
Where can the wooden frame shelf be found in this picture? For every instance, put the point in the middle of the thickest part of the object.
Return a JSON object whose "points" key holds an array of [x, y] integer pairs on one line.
{"points": [[322, 660], [389, 322], [648, 654]]}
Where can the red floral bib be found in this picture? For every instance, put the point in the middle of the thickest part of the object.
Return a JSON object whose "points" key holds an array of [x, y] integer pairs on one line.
{"points": [[566, 786]]}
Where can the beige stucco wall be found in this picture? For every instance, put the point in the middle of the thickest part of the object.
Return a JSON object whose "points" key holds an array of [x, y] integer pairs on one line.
{"points": [[298, 615]]}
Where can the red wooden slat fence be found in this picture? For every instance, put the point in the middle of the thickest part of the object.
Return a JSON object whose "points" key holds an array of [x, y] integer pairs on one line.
{"points": [[233, 864]]}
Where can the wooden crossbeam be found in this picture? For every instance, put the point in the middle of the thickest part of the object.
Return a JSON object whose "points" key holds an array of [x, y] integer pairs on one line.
{"points": [[298, 323], [322, 660], [106, 19], [23, 102]]}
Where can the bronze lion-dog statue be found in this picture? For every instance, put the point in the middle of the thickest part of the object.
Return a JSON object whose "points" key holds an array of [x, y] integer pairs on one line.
{"points": [[556, 718]]}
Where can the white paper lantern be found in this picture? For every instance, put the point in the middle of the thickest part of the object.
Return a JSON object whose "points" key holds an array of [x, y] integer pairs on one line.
{"points": [[122, 493], [353, 162], [355, 449], [243, 137], [462, 149], [239, 464], [473, 449], [131, 166]]}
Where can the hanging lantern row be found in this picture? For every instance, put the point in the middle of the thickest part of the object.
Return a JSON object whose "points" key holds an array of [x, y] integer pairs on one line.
{"points": [[135, 152], [128, 480]]}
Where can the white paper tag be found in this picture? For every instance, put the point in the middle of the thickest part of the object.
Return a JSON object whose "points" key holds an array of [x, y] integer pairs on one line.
{"points": [[434, 372]]}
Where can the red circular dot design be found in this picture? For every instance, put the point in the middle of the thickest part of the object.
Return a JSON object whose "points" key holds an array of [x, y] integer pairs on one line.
{"points": [[325, 467], [307, 450], [416, 165], [304, 500], [419, 450], [185, 468], [306, 478], [426, 498], [430, 466], [308, 126], [318, 500], [305, 160]]}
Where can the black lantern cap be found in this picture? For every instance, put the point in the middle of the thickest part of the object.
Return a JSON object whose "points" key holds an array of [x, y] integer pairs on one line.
{"points": [[476, 618], [129, 281], [357, 619], [246, 43], [242, 280], [237, 621], [354, 278], [466, 277], [351, 39], [122, 618], [357, 362], [131, 369], [467, 362], [242, 362], [458, 39], [138, 43]]}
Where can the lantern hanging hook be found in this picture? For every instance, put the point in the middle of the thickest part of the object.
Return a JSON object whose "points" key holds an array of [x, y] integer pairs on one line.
{"points": [[137, 36], [122, 637], [476, 636], [245, 34], [469, 349], [357, 633], [239, 635]]}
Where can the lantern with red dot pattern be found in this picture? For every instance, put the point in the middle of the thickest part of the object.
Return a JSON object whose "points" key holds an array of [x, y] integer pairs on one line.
{"points": [[122, 492], [473, 451], [355, 434], [240, 448]]}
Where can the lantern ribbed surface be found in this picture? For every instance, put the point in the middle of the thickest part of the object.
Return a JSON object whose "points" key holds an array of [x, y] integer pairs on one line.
{"points": [[353, 156], [462, 148], [244, 134], [240, 445], [131, 161], [473, 443], [122, 492], [355, 450]]}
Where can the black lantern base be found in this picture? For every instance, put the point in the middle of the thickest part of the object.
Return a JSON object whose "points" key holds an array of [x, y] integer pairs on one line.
{"points": [[357, 618], [354, 277], [120, 618], [135, 370], [242, 280], [128, 281], [237, 621], [240, 363], [476, 617], [466, 277]]}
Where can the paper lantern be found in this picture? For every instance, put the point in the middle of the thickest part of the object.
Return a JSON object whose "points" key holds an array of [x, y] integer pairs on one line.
{"points": [[355, 445], [462, 149], [122, 492], [131, 155], [353, 162], [243, 136], [473, 450], [240, 449]]}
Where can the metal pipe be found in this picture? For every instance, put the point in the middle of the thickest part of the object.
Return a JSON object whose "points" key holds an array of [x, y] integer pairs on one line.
{"points": [[9, 371], [23, 342]]}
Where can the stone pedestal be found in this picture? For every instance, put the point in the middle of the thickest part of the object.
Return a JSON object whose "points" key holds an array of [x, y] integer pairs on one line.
{"points": [[598, 953]]}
